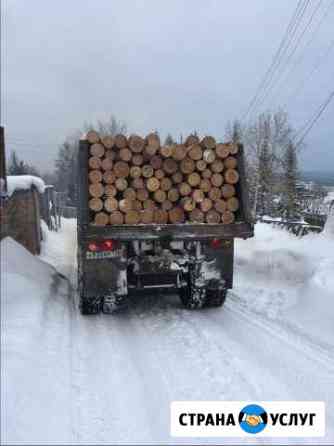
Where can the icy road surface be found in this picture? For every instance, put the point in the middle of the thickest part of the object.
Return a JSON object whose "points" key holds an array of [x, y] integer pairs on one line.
{"points": [[110, 379]]}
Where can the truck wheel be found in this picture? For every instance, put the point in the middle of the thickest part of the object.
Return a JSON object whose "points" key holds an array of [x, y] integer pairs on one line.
{"points": [[215, 298], [90, 306], [113, 303], [192, 298]]}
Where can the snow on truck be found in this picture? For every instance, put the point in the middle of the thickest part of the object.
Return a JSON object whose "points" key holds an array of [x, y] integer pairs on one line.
{"points": [[158, 216]]}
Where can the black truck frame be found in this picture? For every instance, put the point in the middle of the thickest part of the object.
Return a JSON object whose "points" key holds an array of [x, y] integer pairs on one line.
{"points": [[195, 260]]}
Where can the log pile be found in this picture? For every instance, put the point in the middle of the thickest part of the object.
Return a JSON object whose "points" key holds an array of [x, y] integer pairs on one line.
{"points": [[136, 180]]}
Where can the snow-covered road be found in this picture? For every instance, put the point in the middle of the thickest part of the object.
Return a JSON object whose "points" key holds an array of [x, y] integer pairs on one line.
{"points": [[110, 379]]}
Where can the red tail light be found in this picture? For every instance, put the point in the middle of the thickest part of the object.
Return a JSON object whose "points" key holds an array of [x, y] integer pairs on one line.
{"points": [[216, 243], [93, 247], [108, 245]]}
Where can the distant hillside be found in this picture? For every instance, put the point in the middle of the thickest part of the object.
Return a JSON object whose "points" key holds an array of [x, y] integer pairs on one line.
{"points": [[320, 177]]}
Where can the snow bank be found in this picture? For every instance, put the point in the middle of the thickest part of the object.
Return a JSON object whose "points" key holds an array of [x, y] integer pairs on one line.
{"points": [[24, 182], [289, 278]]}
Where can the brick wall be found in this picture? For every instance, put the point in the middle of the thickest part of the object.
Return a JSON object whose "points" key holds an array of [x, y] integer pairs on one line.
{"points": [[20, 219]]}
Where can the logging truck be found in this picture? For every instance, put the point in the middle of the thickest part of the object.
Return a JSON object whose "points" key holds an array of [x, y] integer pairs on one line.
{"points": [[154, 216]]}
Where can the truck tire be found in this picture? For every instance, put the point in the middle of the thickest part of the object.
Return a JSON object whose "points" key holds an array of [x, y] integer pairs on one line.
{"points": [[215, 298], [192, 296], [90, 305], [113, 303]]}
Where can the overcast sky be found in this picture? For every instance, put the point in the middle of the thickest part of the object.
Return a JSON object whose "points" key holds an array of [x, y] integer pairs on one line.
{"points": [[170, 65]]}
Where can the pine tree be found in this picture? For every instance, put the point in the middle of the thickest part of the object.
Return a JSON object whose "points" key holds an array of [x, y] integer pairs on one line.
{"points": [[264, 205], [290, 173], [169, 140]]}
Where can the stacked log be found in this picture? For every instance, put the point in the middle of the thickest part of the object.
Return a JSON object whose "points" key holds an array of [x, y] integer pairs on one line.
{"points": [[137, 180]]}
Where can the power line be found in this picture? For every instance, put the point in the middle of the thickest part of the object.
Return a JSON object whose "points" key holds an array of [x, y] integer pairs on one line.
{"points": [[282, 68], [312, 121], [280, 53]]}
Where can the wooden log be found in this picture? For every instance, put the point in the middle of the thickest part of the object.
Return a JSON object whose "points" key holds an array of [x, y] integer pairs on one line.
{"points": [[177, 177], [233, 204], [110, 154], [212, 217], [198, 195], [201, 165], [101, 219], [107, 141], [149, 204], [93, 137], [217, 166], [147, 171], [153, 184], [195, 152], [173, 195], [116, 218], [206, 174], [95, 176], [147, 216], [152, 139], [110, 190], [184, 189], [97, 149], [125, 205], [233, 148], [95, 204], [137, 160], [120, 141], [96, 190], [130, 193], [217, 179], [166, 151], [137, 205], [136, 143], [188, 204], [220, 205], [149, 151], [205, 185], [179, 152], [166, 205], [111, 204], [209, 156], [194, 179], [138, 183], [230, 162], [215, 193], [132, 217], [121, 184], [191, 139], [160, 217], [169, 166], [142, 194], [228, 218], [166, 184], [108, 177], [206, 205], [222, 150], [187, 166], [176, 215], [228, 190], [125, 154], [159, 173], [135, 172], [94, 162], [160, 196], [107, 164], [231, 176], [196, 216], [156, 162], [121, 169], [208, 142]]}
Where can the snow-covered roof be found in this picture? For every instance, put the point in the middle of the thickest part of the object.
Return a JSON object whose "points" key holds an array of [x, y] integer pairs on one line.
{"points": [[24, 182], [329, 197]]}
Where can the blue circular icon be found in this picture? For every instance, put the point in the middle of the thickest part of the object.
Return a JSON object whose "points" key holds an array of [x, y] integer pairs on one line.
{"points": [[253, 419]]}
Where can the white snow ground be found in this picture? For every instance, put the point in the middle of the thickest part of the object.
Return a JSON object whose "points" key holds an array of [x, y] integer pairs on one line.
{"points": [[110, 379]]}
